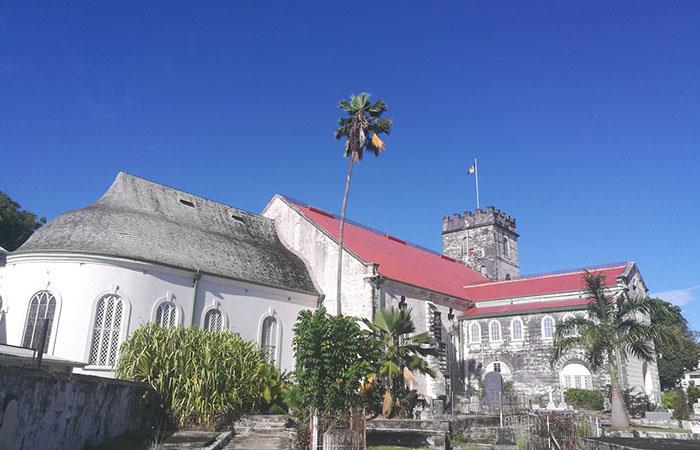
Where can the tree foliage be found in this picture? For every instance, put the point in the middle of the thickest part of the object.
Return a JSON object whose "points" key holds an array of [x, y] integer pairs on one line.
{"points": [[16, 225], [204, 379], [677, 351], [402, 353], [333, 356], [613, 326]]}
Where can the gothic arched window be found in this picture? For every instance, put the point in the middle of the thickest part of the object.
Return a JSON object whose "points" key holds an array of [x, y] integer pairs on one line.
{"points": [[268, 337], [109, 319], [167, 315], [41, 306], [474, 332], [213, 321], [495, 331]]}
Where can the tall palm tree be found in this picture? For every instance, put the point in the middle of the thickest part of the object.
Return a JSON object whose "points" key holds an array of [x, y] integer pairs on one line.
{"points": [[403, 352], [614, 326], [361, 129]]}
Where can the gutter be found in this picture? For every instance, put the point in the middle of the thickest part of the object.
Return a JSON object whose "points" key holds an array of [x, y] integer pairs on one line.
{"points": [[195, 284]]}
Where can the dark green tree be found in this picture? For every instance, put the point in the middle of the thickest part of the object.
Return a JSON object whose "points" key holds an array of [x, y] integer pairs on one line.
{"points": [[613, 326], [16, 225], [677, 352], [333, 358], [361, 129]]}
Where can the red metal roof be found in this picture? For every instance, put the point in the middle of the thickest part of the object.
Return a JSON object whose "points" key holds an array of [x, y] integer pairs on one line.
{"points": [[529, 307], [539, 285], [397, 259]]}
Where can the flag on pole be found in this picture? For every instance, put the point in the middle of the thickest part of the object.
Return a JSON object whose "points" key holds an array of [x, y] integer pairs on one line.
{"points": [[472, 169]]}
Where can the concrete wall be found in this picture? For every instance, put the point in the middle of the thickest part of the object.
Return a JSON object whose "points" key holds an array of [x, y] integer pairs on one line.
{"points": [[79, 281], [40, 411], [320, 254]]}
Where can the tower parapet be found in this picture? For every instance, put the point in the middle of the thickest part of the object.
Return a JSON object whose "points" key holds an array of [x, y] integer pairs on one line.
{"points": [[484, 239]]}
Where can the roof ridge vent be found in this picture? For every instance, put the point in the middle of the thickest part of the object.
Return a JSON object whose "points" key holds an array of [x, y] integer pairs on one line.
{"points": [[186, 201], [400, 241]]}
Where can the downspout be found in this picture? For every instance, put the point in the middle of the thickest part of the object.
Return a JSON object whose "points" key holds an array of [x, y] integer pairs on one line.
{"points": [[195, 284]]}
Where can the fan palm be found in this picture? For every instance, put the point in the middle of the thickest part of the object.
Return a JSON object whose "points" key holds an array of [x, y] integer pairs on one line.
{"points": [[613, 326], [361, 129], [403, 352]]}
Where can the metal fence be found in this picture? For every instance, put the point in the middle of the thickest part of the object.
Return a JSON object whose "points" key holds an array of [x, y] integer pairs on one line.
{"points": [[552, 430]]}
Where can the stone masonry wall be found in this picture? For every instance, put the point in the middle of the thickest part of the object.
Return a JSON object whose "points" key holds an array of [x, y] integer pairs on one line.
{"points": [[41, 410], [527, 360], [477, 239]]}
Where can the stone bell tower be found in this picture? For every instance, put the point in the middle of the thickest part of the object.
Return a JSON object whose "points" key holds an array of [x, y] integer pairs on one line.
{"points": [[485, 240]]}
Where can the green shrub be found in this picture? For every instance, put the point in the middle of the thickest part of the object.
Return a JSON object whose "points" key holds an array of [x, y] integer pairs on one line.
{"points": [[668, 399], [204, 379], [590, 399]]}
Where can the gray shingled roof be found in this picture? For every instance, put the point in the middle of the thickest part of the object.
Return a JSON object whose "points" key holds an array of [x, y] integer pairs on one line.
{"points": [[141, 220]]}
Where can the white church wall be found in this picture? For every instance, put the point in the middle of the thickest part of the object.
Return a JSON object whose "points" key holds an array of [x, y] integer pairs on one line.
{"points": [[78, 282], [320, 254]]}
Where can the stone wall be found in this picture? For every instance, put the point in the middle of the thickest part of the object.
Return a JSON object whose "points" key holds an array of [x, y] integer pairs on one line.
{"points": [[527, 360], [41, 410], [477, 239]]}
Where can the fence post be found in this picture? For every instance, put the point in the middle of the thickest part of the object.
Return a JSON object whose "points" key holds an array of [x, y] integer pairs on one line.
{"points": [[314, 429], [42, 340]]}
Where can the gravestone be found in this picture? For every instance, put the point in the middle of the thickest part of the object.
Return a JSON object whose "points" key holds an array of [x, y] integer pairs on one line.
{"points": [[493, 388], [505, 440]]}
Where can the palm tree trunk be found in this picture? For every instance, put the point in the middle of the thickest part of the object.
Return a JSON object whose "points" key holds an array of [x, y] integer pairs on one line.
{"points": [[340, 236], [618, 412]]}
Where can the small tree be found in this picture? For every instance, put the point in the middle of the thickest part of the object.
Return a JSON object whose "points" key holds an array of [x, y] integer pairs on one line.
{"points": [[16, 225], [613, 327], [402, 354], [333, 357], [361, 129]]}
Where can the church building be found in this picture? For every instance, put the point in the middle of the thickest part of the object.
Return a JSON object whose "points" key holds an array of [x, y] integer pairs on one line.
{"points": [[146, 252]]}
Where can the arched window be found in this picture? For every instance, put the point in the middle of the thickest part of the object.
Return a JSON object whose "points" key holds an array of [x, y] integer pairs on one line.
{"points": [[213, 321], [109, 318], [516, 329], [575, 375], [572, 331], [474, 332], [495, 331], [41, 306], [506, 246], [167, 315], [547, 327], [268, 338]]}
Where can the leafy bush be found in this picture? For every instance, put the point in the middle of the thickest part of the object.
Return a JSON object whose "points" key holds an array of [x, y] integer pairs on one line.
{"points": [[637, 402], [590, 399], [693, 394], [204, 379], [668, 399]]}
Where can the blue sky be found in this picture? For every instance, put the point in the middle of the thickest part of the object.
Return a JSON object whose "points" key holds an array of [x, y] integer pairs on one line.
{"points": [[585, 117]]}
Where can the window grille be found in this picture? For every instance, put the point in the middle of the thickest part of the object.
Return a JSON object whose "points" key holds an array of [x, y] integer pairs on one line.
{"points": [[497, 367], [213, 321], [109, 315], [41, 306], [517, 329], [166, 315], [268, 340]]}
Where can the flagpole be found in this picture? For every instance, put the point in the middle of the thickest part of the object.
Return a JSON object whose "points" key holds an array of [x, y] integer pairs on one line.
{"points": [[476, 173]]}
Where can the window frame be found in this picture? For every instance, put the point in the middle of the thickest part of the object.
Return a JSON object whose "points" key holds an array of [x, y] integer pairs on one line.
{"points": [[160, 302], [542, 326], [469, 332], [512, 329], [215, 305], [277, 357], [126, 318], [53, 329], [500, 331]]}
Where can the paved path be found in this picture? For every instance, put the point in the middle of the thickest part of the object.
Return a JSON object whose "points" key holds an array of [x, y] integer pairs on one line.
{"points": [[277, 440]]}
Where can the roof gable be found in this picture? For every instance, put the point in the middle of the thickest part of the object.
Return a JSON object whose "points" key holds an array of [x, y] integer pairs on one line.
{"points": [[396, 258]]}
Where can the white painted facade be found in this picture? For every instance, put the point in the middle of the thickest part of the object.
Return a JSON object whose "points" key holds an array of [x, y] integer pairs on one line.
{"points": [[79, 281]]}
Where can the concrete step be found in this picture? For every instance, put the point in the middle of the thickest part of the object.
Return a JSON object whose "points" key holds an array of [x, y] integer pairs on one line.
{"points": [[257, 441]]}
